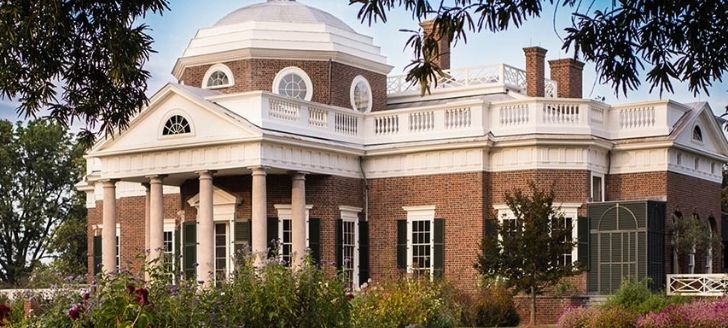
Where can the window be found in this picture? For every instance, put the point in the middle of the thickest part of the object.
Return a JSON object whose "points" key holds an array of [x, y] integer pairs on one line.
{"points": [[567, 258], [221, 256], [285, 232], [597, 188], [217, 79], [361, 95], [218, 76], [697, 134], [421, 236], [349, 250], [679, 158], [712, 168], [176, 125], [697, 163], [293, 82]]}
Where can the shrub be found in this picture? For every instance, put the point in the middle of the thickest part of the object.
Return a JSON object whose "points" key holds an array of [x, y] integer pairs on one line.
{"points": [[638, 298], [576, 317], [581, 317], [704, 314], [492, 307], [403, 303]]}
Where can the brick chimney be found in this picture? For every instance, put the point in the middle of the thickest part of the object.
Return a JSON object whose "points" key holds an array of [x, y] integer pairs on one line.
{"points": [[443, 42], [535, 71], [567, 73]]}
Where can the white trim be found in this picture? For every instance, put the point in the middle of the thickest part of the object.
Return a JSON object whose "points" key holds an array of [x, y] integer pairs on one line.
{"points": [[222, 68], [284, 213], [293, 70], [170, 225], [354, 83], [415, 214], [347, 217]]}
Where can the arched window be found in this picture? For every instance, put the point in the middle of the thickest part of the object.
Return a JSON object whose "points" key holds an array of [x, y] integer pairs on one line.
{"points": [[293, 82], [697, 134], [176, 125], [218, 76], [361, 94]]}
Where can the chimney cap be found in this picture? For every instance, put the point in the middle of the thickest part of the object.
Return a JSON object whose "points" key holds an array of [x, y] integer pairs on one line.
{"points": [[536, 50]]}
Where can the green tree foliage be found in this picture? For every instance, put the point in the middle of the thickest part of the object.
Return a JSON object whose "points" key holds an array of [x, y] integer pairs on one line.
{"points": [[37, 175], [83, 60], [526, 252], [683, 40]]}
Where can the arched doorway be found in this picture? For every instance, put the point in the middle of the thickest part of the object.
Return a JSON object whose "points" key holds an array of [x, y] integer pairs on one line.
{"points": [[617, 242]]}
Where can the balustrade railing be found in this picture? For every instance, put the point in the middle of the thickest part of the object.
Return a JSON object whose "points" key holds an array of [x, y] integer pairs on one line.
{"points": [[468, 118], [511, 77], [697, 284]]}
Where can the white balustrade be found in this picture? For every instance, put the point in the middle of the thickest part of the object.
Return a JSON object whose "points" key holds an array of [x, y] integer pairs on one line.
{"points": [[346, 123], [421, 121], [386, 124], [458, 118], [513, 115], [637, 117], [318, 117], [284, 110], [697, 284], [561, 114]]}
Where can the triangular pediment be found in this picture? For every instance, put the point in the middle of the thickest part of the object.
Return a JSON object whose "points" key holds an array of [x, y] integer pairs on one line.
{"points": [[219, 197], [703, 133], [209, 124]]}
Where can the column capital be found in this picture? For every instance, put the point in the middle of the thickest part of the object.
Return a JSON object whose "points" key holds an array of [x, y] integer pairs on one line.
{"points": [[109, 183], [146, 186], [206, 173], [299, 175], [157, 178], [258, 170]]}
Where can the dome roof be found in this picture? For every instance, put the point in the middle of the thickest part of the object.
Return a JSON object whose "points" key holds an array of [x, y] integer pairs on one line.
{"points": [[283, 11]]}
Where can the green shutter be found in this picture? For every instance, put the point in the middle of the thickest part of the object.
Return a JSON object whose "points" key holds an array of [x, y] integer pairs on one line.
{"points": [[177, 251], [363, 251], [272, 236], [338, 244], [402, 244], [189, 249], [439, 256], [97, 255], [314, 239], [583, 242], [241, 237], [490, 228]]}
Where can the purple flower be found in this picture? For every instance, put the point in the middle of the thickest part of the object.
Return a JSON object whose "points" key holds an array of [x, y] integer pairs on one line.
{"points": [[142, 296], [75, 312], [4, 313]]}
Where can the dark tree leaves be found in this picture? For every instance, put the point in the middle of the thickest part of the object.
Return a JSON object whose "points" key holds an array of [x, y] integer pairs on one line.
{"points": [[682, 40], [82, 60], [37, 173]]}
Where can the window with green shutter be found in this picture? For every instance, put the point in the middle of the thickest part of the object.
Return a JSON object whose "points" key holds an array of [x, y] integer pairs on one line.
{"points": [[402, 244], [241, 238], [439, 247], [272, 237], [189, 249], [583, 230], [97, 255], [314, 239], [363, 251]]}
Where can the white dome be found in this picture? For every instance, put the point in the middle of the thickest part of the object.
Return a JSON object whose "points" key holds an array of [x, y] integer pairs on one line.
{"points": [[282, 11]]}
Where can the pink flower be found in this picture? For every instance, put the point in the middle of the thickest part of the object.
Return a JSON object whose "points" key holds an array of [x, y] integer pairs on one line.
{"points": [[75, 312], [142, 296], [4, 313]]}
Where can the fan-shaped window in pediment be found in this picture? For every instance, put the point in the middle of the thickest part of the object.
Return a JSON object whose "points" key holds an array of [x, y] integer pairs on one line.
{"points": [[175, 125], [697, 134]]}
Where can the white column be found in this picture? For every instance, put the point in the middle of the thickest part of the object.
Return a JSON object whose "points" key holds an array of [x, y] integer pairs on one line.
{"points": [[147, 200], [205, 231], [156, 218], [259, 216], [298, 218], [108, 237]]}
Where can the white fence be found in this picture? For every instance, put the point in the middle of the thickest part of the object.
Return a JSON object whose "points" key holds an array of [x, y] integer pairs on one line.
{"points": [[697, 284]]}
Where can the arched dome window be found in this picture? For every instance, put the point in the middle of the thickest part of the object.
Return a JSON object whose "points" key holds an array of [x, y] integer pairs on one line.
{"points": [[293, 82], [361, 95], [218, 76], [697, 134], [176, 125]]}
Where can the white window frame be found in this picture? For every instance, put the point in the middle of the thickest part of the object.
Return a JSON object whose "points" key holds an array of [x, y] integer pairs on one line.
{"points": [[569, 210], [591, 187], [356, 81], [166, 118], [418, 214], [222, 68], [284, 213], [350, 214], [298, 71], [227, 244]]}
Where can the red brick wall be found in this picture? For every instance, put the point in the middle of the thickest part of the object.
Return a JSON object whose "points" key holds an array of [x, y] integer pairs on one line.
{"points": [[459, 200], [130, 217], [331, 80], [548, 308], [569, 186]]}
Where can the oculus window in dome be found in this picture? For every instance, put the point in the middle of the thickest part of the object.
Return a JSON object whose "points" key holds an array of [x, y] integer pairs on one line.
{"points": [[218, 76], [293, 82], [176, 125], [361, 95]]}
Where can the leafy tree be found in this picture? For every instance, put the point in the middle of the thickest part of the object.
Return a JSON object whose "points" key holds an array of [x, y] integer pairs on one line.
{"points": [[83, 60], [526, 252], [690, 235], [37, 175], [681, 40]]}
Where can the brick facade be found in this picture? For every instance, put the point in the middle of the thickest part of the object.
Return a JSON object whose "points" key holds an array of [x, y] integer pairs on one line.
{"points": [[535, 71], [330, 89], [567, 73]]}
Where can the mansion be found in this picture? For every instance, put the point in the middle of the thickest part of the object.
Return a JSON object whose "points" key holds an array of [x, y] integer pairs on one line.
{"points": [[286, 130]]}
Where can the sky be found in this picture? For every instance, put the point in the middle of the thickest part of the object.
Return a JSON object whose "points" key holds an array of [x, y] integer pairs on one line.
{"points": [[173, 30]]}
